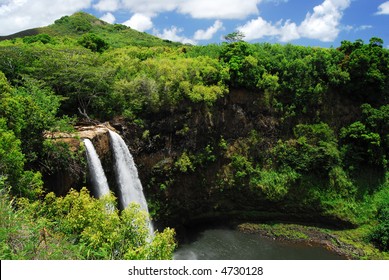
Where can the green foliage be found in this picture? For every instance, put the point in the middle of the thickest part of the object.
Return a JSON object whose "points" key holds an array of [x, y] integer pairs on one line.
{"points": [[79, 22], [57, 157], [360, 144], [11, 156], [29, 111], [184, 163], [116, 35], [269, 84], [368, 68], [314, 150], [12, 174], [380, 234], [366, 141], [4, 85], [236, 36], [16, 241], [78, 227], [275, 185], [311, 145], [243, 66], [340, 182], [42, 38], [93, 42]]}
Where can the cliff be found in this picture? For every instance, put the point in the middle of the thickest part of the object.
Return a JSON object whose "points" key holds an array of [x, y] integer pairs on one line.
{"points": [[74, 174]]}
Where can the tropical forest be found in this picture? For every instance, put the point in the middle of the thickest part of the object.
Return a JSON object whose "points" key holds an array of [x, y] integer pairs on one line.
{"points": [[277, 140]]}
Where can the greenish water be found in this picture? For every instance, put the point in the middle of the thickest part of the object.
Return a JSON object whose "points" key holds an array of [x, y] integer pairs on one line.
{"points": [[227, 244]]}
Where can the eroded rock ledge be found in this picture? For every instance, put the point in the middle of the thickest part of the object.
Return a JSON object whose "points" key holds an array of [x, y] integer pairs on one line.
{"points": [[61, 181]]}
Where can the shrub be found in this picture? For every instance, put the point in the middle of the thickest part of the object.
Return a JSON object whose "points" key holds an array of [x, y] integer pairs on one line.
{"points": [[380, 234], [93, 42]]}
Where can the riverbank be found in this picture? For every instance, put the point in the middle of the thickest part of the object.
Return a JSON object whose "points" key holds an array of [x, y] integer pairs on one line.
{"points": [[350, 244]]}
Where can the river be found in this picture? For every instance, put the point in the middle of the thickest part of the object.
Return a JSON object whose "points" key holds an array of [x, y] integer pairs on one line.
{"points": [[228, 244]]}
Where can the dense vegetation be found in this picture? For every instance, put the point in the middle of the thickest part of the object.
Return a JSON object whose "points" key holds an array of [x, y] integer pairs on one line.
{"points": [[308, 135]]}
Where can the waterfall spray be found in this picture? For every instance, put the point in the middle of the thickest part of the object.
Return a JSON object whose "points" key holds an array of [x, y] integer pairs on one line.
{"points": [[129, 186], [97, 175]]}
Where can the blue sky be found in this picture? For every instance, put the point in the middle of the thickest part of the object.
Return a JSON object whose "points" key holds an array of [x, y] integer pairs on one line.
{"points": [[316, 22]]}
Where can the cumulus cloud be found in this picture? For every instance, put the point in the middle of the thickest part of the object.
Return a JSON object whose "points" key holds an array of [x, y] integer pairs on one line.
{"points": [[209, 33], [258, 28], [16, 15], [173, 34], [323, 24], [383, 9], [288, 32], [107, 5], [215, 9], [139, 22], [221, 9], [151, 7], [108, 17]]}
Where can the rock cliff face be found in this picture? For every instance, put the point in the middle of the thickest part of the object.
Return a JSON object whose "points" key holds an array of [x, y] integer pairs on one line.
{"points": [[185, 159], [180, 193], [74, 174], [189, 161]]}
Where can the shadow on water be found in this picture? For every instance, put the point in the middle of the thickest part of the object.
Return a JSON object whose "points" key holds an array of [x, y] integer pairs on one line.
{"points": [[229, 244]]}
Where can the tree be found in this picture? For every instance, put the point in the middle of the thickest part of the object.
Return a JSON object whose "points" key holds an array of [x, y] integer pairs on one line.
{"points": [[233, 37], [93, 42], [43, 38], [4, 85], [99, 233], [12, 174], [377, 42], [29, 110]]}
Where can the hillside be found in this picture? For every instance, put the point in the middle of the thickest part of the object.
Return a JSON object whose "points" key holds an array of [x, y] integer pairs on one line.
{"points": [[233, 132], [79, 24]]}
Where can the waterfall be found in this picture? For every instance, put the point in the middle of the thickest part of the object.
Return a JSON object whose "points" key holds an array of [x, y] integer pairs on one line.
{"points": [[129, 186], [97, 175]]}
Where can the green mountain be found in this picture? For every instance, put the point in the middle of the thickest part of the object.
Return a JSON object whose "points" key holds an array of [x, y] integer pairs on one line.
{"points": [[79, 24]]}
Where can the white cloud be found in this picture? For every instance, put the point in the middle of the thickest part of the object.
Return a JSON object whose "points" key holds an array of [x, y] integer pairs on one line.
{"points": [[139, 22], [108, 17], [288, 32], [172, 34], [383, 9], [258, 28], [323, 23], [277, 2], [347, 28], [220, 9], [151, 7], [16, 15], [211, 9], [208, 34], [363, 27], [107, 5]]}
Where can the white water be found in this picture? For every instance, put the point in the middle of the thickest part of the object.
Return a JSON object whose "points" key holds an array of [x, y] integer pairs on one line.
{"points": [[129, 186], [96, 171]]}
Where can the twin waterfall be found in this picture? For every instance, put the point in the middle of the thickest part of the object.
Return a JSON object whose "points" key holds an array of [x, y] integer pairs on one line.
{"points": [[96, 171], [129, 186]]}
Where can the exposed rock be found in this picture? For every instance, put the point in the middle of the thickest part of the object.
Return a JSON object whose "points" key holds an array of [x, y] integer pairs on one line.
{"points": [[61, 181]]}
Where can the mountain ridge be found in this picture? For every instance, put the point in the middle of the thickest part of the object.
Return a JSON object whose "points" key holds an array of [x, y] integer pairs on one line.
{"points": [[81, 23]]}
